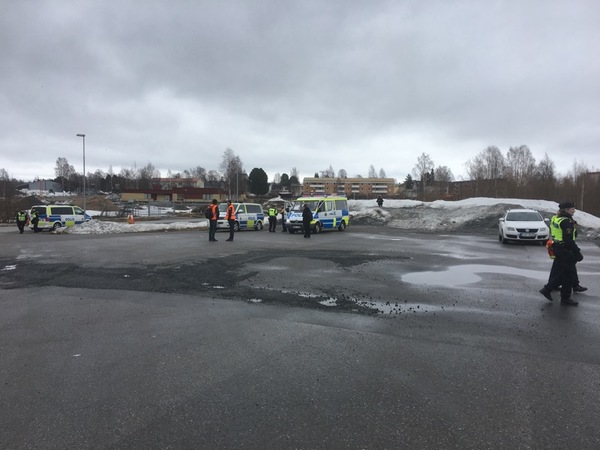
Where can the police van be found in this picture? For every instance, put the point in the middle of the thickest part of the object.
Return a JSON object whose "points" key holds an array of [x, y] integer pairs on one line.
{"points": [[248, 216], [329, 213], [52, 217]]}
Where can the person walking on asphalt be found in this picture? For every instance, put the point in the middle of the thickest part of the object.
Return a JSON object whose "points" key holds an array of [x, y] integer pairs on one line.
{"points": [[567, 254], [212, 221], [21, 221], [230, 216], [306, 220]]}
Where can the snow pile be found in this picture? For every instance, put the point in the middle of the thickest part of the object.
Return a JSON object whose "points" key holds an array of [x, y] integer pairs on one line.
{"points": [[438, 216], [104, 227]]}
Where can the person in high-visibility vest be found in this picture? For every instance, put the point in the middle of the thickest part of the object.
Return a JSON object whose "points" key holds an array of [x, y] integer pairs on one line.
{"points": [[212, 221], [567, 254], [21, 221], [272, 219], [230, 216]]}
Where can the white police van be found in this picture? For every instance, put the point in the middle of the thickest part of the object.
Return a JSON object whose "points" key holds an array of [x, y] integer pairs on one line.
{"points": [[248, 216], [329, 213], [52, 217]]}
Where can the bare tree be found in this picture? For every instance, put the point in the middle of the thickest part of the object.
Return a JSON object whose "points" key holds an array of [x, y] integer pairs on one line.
{"points": [[63, 170], [328, 173], [382, 173], [342, 173], [520, 165], [372, 172], [294, 173], [212, 176], [146, 174], [198, 172], [232, 168], [422, 169]]}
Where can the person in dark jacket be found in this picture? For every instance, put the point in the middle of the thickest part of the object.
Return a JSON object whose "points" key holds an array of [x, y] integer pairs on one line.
{"points": [[35, 220], [306, 220], [230, 216], [567, 254], [21, 221], [212, 222]]}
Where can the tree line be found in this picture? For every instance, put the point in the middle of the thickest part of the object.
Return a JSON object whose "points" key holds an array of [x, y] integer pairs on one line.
{"points": [[490, 173]]}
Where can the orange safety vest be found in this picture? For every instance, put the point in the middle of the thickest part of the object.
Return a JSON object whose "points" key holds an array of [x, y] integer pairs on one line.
{"points": [[230, 213], [215, 212]]}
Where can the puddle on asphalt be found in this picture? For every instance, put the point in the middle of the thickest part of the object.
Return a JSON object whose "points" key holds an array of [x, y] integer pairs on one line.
{"points": [[467, 274]]}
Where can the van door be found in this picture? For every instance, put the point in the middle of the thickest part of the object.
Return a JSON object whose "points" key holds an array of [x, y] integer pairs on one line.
{"points": [[241, 216], [79, 214]]}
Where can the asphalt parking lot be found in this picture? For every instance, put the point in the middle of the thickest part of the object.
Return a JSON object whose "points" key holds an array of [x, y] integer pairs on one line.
{"points": [[370, 338]]}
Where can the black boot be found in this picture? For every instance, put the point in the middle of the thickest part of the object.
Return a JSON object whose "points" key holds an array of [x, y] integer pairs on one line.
{"points": [[568, 301], [579, 288], [546, 293]]}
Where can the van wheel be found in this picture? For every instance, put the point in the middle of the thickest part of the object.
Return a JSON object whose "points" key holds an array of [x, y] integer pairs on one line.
{"points": [[258, 226], [291, 231], [317, 229], [236, 226], [342, 226], [56, 226]]}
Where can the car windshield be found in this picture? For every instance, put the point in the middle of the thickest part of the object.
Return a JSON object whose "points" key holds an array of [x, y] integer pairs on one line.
{"points": [[524, 216]]}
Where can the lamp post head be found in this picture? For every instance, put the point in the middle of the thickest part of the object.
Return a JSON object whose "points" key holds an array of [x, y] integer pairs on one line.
{"points": [[81, 135]]}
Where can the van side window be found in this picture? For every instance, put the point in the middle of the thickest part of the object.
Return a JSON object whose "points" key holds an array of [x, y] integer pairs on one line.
{"points": [[241, 209], [254, 209], [61, 210], [78, 210], [341, 204]]}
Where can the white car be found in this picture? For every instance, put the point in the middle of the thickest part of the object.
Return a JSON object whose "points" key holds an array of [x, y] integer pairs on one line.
{"points": [[523, 225]]}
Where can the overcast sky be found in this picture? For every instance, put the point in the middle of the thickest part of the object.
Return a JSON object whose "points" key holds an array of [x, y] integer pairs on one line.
{"points": [[306, 84]]}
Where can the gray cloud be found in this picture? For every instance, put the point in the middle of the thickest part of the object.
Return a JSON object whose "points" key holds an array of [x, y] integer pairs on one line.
{"points": [[297, 84]]}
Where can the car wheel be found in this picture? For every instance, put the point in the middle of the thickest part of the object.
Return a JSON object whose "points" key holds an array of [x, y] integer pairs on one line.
{"points": [[342, 226], [56, 226], [258, 226], [291, 231], [502, 239], [317, 229]]}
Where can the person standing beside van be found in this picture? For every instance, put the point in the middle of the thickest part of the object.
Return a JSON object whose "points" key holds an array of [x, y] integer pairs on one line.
{"points": [[21, 221], [272, 219], [212, 222], [306, 220], [35, 220], [284, 229], [230, 216]]}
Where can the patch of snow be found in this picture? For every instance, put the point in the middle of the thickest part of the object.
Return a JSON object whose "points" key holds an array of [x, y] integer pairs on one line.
{"points": [[440, 215]]}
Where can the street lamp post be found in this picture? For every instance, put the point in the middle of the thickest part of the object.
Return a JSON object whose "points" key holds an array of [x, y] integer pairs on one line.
{"points": [[84, 195]]}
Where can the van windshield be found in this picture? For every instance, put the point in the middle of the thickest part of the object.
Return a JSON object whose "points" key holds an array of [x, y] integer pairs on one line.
{"points": [[299, 206]]}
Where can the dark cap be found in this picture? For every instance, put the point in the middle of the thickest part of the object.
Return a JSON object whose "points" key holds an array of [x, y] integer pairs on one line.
{"points": [[214, 201], [566, 205]]}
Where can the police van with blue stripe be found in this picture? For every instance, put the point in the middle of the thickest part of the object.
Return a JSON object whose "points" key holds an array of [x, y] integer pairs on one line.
{"points": [[52, 217], [248, 216], [329, 213]]}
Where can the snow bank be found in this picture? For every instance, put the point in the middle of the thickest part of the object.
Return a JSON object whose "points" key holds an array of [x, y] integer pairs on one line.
{"points": [[438, 216]]}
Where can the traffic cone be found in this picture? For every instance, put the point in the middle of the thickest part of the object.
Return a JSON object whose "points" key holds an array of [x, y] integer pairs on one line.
{"points": [[130, 219]]}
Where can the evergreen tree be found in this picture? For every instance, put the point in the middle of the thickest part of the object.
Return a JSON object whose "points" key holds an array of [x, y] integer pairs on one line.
{"points": [[258, 181]]}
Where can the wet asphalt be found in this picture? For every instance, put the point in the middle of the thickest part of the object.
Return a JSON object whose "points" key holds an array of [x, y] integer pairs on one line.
{"points": [[368, 338]]}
